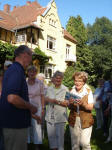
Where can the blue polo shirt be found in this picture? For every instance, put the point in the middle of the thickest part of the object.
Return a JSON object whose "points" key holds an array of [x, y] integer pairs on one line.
{"points": [[14, 82]]}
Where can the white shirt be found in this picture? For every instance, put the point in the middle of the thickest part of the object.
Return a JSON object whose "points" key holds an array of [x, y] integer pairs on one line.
{"points": [[82, 94]]}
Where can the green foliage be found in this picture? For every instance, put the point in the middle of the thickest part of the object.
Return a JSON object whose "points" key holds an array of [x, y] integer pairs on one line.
{"points": [[6, 52], [84, 55], [100, 32], [38, 54], [100, 42], [94, 48], [102, 60], [76, 28], [85, 62], [68, 81]]}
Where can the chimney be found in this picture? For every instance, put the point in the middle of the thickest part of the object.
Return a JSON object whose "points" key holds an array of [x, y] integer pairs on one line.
{"points": [[28, 3], [6, 8], [14, 7]]}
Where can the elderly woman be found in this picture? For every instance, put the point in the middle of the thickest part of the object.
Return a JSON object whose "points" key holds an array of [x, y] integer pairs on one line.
{"points": [[36, 96], [56, 114], [80, 117]]}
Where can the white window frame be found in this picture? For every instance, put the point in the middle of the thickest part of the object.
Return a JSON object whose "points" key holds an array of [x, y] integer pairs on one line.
{"points": [[45, 70], [51, 43], [68, 47]]}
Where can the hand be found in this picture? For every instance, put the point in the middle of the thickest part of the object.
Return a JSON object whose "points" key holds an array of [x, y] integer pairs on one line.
{"points": [[39, 121], [82, 103], [33, 109], [37, 118], [65, 103], [78, 101], [71, 101]]}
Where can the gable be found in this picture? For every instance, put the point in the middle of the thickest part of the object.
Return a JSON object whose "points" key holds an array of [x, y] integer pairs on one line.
{"points": [[52, 14]]}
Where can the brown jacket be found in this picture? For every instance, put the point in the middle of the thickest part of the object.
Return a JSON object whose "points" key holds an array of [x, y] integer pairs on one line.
{"points": [[85, 115]]}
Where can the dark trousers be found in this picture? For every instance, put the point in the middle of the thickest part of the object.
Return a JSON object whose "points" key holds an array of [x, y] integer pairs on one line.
{"points": [[105, 117], [1, 140]]}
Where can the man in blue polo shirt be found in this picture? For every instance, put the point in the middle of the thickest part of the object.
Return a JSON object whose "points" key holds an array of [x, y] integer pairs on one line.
{"points": [[15, 109]]}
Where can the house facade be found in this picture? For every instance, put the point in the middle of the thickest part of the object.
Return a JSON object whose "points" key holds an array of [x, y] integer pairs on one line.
{"points": [[37, 26]]}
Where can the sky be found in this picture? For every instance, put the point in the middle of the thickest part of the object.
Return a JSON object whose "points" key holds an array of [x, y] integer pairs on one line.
{"points": [[87, 9]]}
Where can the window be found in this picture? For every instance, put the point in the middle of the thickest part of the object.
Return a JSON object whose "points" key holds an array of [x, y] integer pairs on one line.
{"points": [[51, 43], [20, 38], [67, 51], [48, 70], [52, 22], [42, 69]]}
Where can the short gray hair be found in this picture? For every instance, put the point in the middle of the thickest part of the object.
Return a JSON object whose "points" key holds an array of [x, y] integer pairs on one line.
{"points": [[22, 49], [32, 68], [58, 73]]}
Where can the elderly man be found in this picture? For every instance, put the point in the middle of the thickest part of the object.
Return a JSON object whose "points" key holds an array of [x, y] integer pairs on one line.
{"points": [[15, 109]]}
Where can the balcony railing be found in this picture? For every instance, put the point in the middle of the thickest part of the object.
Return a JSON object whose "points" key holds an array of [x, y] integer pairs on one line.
{"points": [[70, 58]]}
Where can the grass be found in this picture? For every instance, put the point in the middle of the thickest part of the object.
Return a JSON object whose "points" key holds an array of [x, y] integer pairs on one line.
{"points": [[97, 139]]}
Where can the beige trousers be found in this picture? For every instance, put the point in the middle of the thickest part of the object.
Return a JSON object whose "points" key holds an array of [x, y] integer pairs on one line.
{"points": [[56, 135], [80, 137]]}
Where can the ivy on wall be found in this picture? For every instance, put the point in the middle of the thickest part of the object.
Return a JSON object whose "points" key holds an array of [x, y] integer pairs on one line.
{"points": [[41, 56], [6, 52]]}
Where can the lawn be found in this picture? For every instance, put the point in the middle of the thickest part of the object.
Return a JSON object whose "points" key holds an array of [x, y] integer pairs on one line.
{"points": [[97, 140]]}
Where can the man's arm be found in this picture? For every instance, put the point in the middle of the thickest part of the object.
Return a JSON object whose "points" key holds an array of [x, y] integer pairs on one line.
{"points": [[19, 102]]}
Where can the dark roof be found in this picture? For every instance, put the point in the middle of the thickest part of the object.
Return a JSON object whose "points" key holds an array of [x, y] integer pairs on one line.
{"points": [[68, 36]]}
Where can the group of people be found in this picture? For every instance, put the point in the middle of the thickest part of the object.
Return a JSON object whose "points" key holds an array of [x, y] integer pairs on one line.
{"points": [[103, 107], [25, 103]]}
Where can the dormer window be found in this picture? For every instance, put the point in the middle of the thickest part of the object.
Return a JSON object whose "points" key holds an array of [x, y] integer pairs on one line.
{"points": [[52, 22]]}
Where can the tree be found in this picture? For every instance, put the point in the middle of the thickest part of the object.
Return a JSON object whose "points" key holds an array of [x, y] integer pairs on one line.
{"points": [[67, 81], [100, 32], [100, 42], [76, 28], [6, 52]]}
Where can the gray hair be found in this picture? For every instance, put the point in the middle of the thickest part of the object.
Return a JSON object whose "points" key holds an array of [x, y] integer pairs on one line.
{"points": [[32, 68], [22, 49], [58, 73]]}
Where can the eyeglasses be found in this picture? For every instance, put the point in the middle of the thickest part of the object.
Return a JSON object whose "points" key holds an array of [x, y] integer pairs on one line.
{"points": [[78, 81]]}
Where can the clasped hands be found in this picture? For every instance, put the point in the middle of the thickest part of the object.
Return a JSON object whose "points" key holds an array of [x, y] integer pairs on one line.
{"points": [[75, 102], [66, 103]]}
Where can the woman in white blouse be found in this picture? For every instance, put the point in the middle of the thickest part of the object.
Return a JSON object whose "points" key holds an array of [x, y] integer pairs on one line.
{"points": [[80, 117]]}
